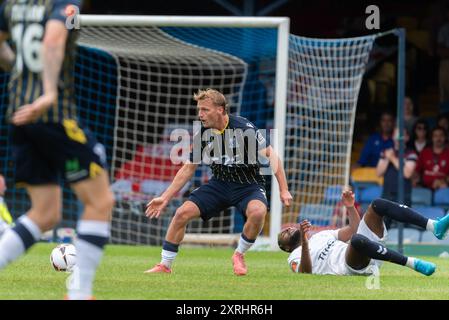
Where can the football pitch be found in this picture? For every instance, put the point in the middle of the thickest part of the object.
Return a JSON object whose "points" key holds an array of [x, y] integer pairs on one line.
{"points": [[206, 273]]}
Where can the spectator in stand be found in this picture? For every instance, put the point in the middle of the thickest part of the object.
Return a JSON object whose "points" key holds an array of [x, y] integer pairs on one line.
{"points": [[388, 167], [433, 162], [443, 53], [420, 136], [378, 141], [409, 114]]}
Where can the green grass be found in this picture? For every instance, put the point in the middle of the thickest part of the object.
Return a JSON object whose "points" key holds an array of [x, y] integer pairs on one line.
{"points": [[207, 274]]}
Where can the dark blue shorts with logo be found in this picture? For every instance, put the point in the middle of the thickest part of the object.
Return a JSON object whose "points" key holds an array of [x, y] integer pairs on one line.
{"points": [[46, 153], [216, 195]]}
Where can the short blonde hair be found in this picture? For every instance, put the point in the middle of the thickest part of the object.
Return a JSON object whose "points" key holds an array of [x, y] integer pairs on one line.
{"points": [[215, 96]]}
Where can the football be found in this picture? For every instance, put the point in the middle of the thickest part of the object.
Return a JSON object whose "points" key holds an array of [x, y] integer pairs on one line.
{"points": [[63, 257]]}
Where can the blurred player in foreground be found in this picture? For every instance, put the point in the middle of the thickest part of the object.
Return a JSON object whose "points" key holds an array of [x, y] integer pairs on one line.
{"points": [[236, 179], [48, 144], [358, 248]]}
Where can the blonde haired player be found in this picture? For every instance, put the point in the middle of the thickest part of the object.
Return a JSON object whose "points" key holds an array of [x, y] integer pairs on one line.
{"points": [[235, 182], [356, 249]]}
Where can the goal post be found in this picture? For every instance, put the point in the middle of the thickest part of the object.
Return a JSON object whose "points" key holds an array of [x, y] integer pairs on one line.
{"points": [[280, 113]]}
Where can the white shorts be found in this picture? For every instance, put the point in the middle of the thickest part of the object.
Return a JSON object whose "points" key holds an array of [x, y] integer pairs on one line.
{"points": [[374, 265]]}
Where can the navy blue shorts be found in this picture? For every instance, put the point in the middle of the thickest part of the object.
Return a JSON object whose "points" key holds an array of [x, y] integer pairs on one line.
{"points": [[216, 195], [46, 153]]}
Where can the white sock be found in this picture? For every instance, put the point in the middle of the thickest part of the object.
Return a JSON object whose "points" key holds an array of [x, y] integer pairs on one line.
{"points": [[11, 247], [11, 244], [410, 263], [88, 257], [430, 225], [168, 257], [243, 245]]}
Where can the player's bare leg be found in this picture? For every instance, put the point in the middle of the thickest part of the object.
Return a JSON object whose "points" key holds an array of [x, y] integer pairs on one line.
{"points": [[175, 234], [362, 249], [44, 214], [255, 213], [45, 205], [184, 214], [93, 231]]}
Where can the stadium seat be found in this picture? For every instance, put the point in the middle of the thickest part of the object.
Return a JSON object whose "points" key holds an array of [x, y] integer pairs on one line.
{"points": [[421, 197], [441, 197], [364, 207], [430, 212], [444, 107], [317, 214], [333, 193], [410, 235], [366, 175], [369, 194], [358, 187]]}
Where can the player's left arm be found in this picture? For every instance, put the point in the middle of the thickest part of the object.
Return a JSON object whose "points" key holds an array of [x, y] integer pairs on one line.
{"points": [[278, 169], [53, 53], [345, 233]]}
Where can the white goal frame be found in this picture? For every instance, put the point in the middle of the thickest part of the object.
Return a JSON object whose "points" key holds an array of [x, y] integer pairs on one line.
{"points": [[282, 24]]}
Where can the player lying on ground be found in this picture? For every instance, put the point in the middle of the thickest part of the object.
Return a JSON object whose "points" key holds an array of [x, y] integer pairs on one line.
{"points": [[357, 248], [236, 181]]}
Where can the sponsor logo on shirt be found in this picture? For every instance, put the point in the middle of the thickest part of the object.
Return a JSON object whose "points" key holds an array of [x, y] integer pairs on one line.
{"points": [[326, 250]]}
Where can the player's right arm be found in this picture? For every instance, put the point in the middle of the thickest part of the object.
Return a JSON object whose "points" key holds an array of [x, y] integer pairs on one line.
{"points": [[156, 206], [305, 266], [345, 233], [7, 56]]}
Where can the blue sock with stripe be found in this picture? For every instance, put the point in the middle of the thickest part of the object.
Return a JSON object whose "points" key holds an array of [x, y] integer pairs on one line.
{"points": [[91, 239], [17, 240]]}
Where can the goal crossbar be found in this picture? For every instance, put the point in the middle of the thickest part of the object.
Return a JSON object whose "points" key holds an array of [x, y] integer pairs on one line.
{"points": [[183, 21]]}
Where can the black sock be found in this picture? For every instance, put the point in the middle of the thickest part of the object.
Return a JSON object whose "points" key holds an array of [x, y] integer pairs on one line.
{"points": [[375, 250], [398, 212]]}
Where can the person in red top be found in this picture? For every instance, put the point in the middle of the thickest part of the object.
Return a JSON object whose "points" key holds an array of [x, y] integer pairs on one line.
{"points": [[433, 162]]}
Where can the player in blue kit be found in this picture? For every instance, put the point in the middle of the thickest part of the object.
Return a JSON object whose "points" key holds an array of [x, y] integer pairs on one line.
{"points": [[236, 179], [47, 141]]}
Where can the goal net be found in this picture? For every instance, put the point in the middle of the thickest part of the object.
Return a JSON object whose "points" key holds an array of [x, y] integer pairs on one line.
{"points": [[323, 87], [135, 77]]}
